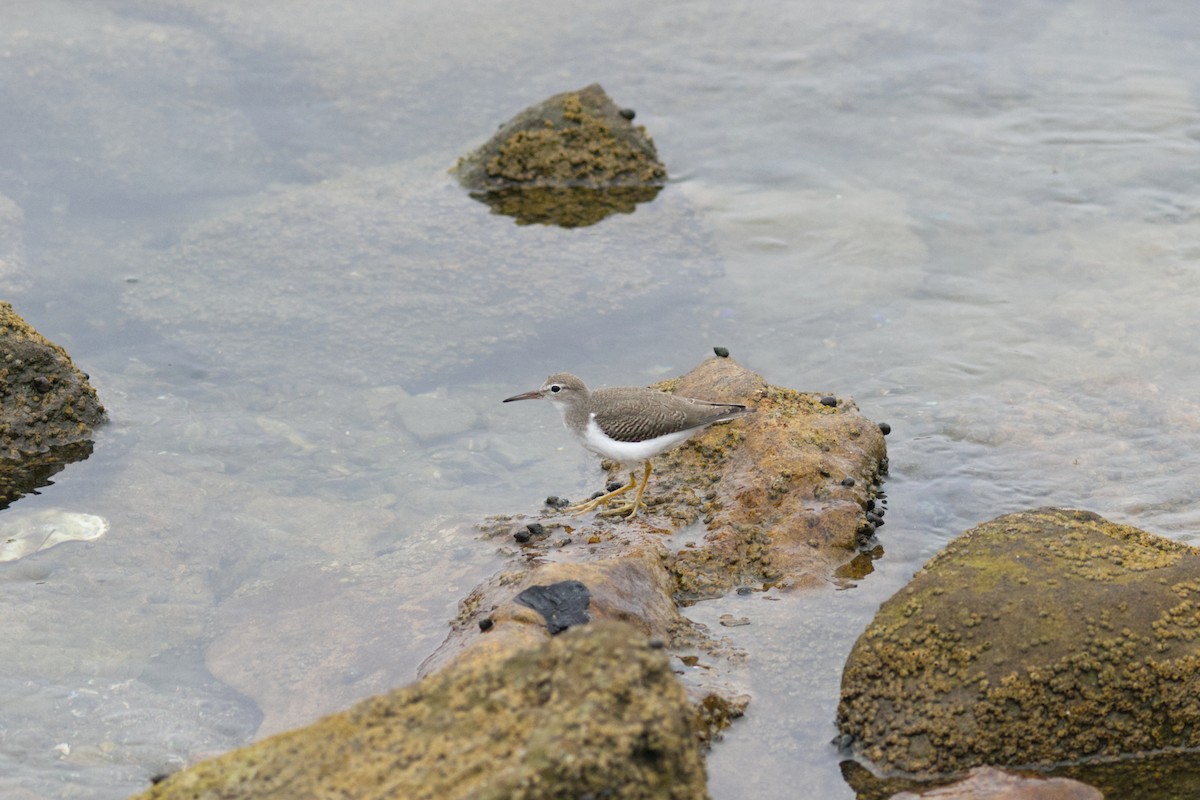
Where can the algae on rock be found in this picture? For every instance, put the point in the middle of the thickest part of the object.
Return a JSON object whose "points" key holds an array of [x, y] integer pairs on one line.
{"points": [[1039, 637], [571, 160], [594, 711]]}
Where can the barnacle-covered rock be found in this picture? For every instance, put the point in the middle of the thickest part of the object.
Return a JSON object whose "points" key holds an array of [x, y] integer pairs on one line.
{"points": [[1040, 637]]}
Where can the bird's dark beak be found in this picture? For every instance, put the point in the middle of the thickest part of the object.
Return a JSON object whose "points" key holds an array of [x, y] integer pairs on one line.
{"points": [[534, 395]]}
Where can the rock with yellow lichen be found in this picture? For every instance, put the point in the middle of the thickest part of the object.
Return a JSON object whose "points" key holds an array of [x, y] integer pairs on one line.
{"points": [[595, 711], [47, 408], [570, 160], [783, 495], [1040, 637]]}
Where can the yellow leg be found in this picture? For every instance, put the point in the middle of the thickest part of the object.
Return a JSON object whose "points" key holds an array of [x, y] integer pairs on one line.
{"points": [[629, 510], [592, 505]]}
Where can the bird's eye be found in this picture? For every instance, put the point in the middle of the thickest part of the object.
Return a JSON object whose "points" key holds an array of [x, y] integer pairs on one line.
{"points": [[555, 389]]}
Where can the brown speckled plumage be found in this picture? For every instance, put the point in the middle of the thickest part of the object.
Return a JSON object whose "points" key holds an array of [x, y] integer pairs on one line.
{"points": [[633, 414], [632, 424]]}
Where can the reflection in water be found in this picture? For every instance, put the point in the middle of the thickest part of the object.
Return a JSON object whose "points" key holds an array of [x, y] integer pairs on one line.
{"points": [[19, 477], [565, 206]]}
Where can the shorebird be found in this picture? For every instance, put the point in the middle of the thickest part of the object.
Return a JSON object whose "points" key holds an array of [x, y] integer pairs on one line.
{"points": [[629, 425]]}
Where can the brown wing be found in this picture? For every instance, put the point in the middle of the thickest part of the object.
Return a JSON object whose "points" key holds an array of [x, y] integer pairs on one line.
{"points": [[633, 415]]}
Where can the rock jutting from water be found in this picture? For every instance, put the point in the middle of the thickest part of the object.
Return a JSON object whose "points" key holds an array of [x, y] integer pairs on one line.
{"points": [[768, 490], [1040, 637], [595, 711], [571, 160], [557, 652], [47, 408]]}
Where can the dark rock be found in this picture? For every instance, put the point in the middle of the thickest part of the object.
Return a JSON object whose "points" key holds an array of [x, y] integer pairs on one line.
{"points": [[829, 400], [47, 409], [885, 428], [562, 604], [721, 352]]}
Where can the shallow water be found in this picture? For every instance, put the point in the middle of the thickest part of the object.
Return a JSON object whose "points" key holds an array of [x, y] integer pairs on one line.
{"points": [[981, 223]]}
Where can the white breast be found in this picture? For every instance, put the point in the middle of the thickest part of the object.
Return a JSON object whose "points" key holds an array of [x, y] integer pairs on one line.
{"points": [[595, 440]]}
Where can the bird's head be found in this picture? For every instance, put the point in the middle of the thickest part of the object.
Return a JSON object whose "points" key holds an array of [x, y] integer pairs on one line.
{"points": [[561, 387]]}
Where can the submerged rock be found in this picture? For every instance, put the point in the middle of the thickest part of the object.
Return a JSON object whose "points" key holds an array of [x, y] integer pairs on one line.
{"points": [[358, 244], [1040, 637], [594, 712], [47, 408], [22, 533], [571, 160], [988, 783]]}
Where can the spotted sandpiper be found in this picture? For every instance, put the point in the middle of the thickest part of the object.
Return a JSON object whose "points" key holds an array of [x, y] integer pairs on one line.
{"points": [[628, 425]]}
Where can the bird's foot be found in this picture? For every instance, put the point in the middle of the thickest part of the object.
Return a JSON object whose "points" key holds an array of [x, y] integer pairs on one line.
{"points": [[596, 502], [584, 507], [627, 510]]}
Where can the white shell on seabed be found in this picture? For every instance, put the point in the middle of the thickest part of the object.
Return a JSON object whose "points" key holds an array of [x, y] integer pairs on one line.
{"points": [[25, 532]]}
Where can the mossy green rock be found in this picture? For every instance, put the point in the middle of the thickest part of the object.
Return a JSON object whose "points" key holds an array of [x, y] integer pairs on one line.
{"points": [[1039, 637], [593, 712]]}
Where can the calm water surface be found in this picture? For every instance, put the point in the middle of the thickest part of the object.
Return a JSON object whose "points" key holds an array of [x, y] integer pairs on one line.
{"points": [[980, 222]]}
